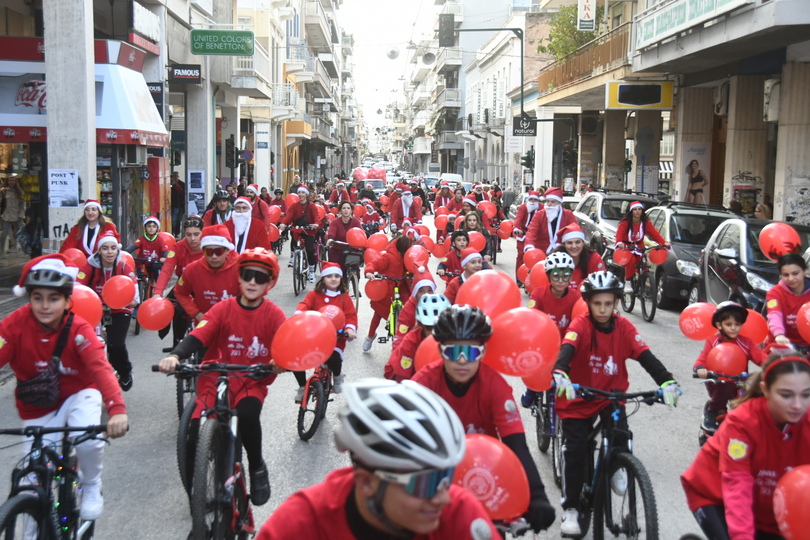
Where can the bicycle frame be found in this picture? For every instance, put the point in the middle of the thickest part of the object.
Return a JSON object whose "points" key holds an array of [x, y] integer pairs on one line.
{"points": [[321, 374]]}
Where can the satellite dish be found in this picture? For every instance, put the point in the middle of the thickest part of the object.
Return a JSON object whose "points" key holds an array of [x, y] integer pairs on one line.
{"points": [[392, 53], [428, 58]]}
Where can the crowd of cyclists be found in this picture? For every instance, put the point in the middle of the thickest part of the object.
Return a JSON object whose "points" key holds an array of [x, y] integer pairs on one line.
{"points": [[405, 432]]}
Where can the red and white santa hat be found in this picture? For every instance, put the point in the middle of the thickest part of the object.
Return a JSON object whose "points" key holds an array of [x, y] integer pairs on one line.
{"points": [[244, 200], [369, 185], [423, 279], [469, 200], [412, 231], [534, 195], [301, 188], [406, 223], [398, 187], [636, 204], [554, 193], [57, 262], [216, 236], [329, 268], [92, 202], [108, 237], [571, 232], [476, 186], [253, 187], [152, 219], [468, 255]]}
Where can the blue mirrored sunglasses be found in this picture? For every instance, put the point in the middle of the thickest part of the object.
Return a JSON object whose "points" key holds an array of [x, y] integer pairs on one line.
{"points": [[422, 484], [470, 352]]}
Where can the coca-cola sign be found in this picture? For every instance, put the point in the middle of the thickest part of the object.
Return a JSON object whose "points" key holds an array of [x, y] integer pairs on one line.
{"points": [[31, 94], [24, 94]]}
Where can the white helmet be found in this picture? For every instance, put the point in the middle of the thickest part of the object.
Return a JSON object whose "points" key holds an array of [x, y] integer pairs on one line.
{"points": [[429, 308], [559, 259], [399, 427]]}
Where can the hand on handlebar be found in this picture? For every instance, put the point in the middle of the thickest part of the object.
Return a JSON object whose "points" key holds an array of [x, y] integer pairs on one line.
{"points": [[671, 391], [168, 364], [564, 385], [117, 425], [350, 334], [702, 373], [540, 515]]}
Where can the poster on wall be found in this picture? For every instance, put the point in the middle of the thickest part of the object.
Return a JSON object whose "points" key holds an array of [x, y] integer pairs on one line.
{"points": [[195, 187], [693, 172], [63, 188]]}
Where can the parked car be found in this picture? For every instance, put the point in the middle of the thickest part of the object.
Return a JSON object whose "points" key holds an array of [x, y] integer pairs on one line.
{"points": [[687, 227], [732, 267], [570, 202], [430, 182], [599, 213]]}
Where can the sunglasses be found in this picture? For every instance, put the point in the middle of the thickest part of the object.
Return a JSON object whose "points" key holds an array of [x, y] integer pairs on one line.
{"points": [[423, 484], [470, 352], [560, 274], [256, 275], [215, 252]]}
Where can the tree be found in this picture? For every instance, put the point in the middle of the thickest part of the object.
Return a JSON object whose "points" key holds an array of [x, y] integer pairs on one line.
{"points": [[564, 38]]}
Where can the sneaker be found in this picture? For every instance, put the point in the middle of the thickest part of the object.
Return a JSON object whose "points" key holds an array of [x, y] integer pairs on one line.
{"points": [[125, 381], [92, 501], [367, 343], [312, 276], [259, 485], [570, 522], [299, 394], [337, 386], [290, 264], [710, 420], [618, 482], [527, 399], [628, 286]]}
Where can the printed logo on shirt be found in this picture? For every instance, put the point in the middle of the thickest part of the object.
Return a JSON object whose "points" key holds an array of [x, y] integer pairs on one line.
{"points": [[480, 530], [532, 303], [610, 367], [737, 449], [256, 348], [202, 323], [571, 336], [2, 342], [403, 328], [81, 275], [180, 281], [406, 362], [772, 303], [170, 255], [510, 405]]}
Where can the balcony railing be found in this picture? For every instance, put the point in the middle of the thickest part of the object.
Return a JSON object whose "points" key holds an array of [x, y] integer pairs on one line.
{"points": [[257, 65], [285, 95], [449, 97], [601, 55], [298, 52], [449, 56]]}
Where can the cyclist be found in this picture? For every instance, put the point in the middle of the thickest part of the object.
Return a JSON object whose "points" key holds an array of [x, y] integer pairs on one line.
{"points": [[586, 261], [400, 364], [471, 262], [367, 192], [594, 352], [630, 233], [459, 241], [331, 290], [278, 200], [238, 330], [423, 284], [523, 219], [247, 233], [548, 222], [404, 209], [338, 229], [372, 221], [728, 318], [730, 485], [211, 279], [30, 337], [259, 209], [150, 246], [481, 396], [339, 194], [221, 212], [85, 235], [304, 214], [99, 268], [472, 223], [784, 300], [400, 482], [442, 200]]}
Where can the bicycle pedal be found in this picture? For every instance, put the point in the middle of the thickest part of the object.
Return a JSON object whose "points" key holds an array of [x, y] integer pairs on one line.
{"points": [[382, 340]]}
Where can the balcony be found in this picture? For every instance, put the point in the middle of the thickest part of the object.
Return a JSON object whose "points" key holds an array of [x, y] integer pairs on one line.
{"points": [[449, 59], [347, 42], [448, 140], [297, 56], [346, 68], [323, 130], [451, 8], [320, 29], [284, 105], [448, 98], [420, 97], [251, 74], [316, 78], [297, 131]]}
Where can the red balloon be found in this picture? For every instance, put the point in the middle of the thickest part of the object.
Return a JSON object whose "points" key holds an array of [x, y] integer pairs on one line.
{"points": [[330, 217], [169, 240], [422, 229], [696, 321], [440, 250], [426, 353], [360, 173], [622, 256], [440, 221], [427, 242], [383, 199], [275, 214], [86, 304], [127, 258], [494, 292], [755, 327], [292, 199], [537, 276], [378, 241], [336, 315], [523, 273], [359, 210], [118, 292], [580, 307], [502, 234], [377, 173], [304, 341], [356, 237], [376, 289], [657, 255], [442, 211], [727, 358], [777, 239], [477, 241], [523, 341], [321, 212], [533, 256], [155, 313], [77, 256], [272, 232], [540, 381], [416, 258], [507, 226], [495, 476], [333, 211], [370, 256], [488, 208], [803, 321], [790, 502]]}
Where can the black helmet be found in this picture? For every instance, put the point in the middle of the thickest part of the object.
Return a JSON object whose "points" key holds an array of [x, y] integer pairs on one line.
{"points": [[193, 221], [458, 323], [601, 282], [727, 308], [49, 279], [221, 194]]}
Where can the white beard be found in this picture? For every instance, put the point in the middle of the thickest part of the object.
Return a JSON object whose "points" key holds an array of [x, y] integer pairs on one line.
{"points": [[241, 220], [552, 212], [532, 207], [406, 204]]}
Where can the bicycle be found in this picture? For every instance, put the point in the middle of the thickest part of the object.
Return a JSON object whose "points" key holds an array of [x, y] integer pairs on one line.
{"points": [[50, 503], [738, 380], [278, 245], [617, 510], [644, 287], [300, 264], [220, 503], [396, 307], [146, 286], [351, 264], [548, 429], [316, 397]]}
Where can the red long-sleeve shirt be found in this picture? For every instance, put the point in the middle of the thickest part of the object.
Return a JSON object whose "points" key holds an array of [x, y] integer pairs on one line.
{"points": [[200, 287], [75, 239], [92, 275], [176, 262], [315, 300]]}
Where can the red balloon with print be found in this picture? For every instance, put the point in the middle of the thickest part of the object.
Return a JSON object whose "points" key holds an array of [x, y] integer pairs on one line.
{"points": [[292, 199], [274, 214], [86, 304], [77, 256], [118, 292], [378, 241], [477, 240], [755, 327], [359, 210], [168, 239], [727, 358], [695, 321], [272, 231], [777, 239], [523, 341], [416, 258], [495, 476], [336, 315], [791, 499], [426, 353], [376, 289], [494, 292], [622, 256], [657, 255], [304, 341], [155, 313], [356, 237], [533, 256]]}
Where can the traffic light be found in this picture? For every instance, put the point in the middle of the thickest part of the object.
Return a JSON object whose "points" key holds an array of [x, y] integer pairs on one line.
{"points": [[527, 160], [230, 163], [628, 165], [570, 158], [447, 30], [237, 157]]}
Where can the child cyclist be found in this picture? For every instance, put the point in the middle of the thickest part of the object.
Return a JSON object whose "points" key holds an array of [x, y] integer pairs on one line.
{"points": [[152, 247], [238, 330], [728, 318], [593, 352], [30, 338], [330, 290], [400, 364], [423, 284], [459, 241], [730, 485], [471, 261]]}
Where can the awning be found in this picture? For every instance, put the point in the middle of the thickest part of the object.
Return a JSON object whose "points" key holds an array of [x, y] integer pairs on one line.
{"points": [[665, 167]]}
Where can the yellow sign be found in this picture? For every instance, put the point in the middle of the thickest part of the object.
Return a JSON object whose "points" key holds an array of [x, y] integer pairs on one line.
{"points": [[634, 95]]}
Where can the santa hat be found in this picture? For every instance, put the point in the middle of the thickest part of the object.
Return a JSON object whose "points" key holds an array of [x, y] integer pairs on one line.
{"points": [[369, 185], [57, 262], [412, 232], [108, 237], [302, 188], [476, 186], [253, 187], [406, 223], [423, 279], [340, 183], [555, 193], [152, 219], [571, 232], [398, 187], [636, 204], [329, 268], [92, 202], [534, 195], [469, 200], [469, 254], [244, 200], [216, 236]]}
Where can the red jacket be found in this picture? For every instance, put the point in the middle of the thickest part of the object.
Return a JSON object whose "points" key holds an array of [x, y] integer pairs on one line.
{"points": [[538, 234], [400, 364], [339, 196], [176, 261], [397, 214], [300, 215], [523, 219], [783, 307], [75, 239], [451, 290], [200, 287], [256, 235], [389, 264], [92, 275], [151, 249], [454, 205], [441, 201], [337, 231], [595, 263], [406, 320], [260, 211], [635, 237], [279, 202]]}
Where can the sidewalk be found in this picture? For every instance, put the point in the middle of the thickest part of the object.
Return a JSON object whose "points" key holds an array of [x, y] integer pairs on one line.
{"points": [[10, 270]]}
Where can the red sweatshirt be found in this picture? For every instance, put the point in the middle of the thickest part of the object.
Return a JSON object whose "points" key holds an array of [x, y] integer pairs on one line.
{"points": [[200, 287]]}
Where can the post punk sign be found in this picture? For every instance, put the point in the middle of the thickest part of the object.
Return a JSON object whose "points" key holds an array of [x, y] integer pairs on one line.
{"points": [[523, 128], [185, 73]]}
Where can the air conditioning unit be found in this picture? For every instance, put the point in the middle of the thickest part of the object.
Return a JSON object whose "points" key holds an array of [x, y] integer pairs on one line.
{"points": [[770, 109], [135, 154], [721, 99]]}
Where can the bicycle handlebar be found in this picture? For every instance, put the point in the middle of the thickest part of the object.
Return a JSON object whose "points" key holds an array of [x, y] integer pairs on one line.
{"points": [[89, 432], [517, 527], [714, 376], [189, 370], [588, 393], [391, 278]]}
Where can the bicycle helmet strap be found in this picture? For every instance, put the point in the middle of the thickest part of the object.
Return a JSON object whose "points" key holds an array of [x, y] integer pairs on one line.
{"points": [[375, 506]]}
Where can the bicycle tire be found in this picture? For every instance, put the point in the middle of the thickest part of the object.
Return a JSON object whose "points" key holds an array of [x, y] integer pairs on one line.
{"points": [[69, 502], [13, 514], [556, 451], [393, 318], [639, 490], [141, 297], [648, 294], [241, 509], [543, 423], [297, 271], [210, 518], [316, 398], [628, 300], [182, 444], [354, 288]]}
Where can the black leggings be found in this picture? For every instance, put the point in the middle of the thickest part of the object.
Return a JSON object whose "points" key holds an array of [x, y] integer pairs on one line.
{"points": [[117, 343], [712, 521], [335, 365], [309, 246]]}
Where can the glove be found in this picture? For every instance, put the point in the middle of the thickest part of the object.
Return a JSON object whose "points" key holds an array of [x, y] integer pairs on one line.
{"points": [[564, 385], [670, 393], [541, 514]]}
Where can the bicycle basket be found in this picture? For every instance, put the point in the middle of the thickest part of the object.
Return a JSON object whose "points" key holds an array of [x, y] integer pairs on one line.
{"points": [[352, 257]]}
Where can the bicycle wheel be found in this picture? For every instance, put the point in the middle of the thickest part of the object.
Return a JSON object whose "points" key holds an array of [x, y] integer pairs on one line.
{"points": [[633, 513], [297, 281], [354, 288], [629, 300], [303, 269], [556, 451], [648, 293], [542, 422], [243, 514], [309, 414], [182, 444], [393, 318], [141, 296], [210, 511], [20, 514]]}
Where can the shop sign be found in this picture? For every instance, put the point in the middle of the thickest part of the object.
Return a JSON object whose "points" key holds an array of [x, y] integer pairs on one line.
{"points": [[156, 91], [260, 145], [523, 128], [145, 22], [222, 42], [185, 73], [670, 18], [24, 94], [586, 15]]}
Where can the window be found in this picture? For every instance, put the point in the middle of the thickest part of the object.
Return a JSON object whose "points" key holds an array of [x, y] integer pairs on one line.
{"points": [[657, 219], [588, 206], [730, 239]]}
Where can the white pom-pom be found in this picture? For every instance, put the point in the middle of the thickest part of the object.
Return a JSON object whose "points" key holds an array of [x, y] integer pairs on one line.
{"points": [[421, 269], [18, 291]]}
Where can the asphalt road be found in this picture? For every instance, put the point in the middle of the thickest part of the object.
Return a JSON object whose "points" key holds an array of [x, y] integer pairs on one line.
{"points": [[145, 500]]}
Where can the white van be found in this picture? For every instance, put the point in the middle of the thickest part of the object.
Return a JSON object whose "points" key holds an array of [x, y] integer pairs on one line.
{"points": [[452, 178]]}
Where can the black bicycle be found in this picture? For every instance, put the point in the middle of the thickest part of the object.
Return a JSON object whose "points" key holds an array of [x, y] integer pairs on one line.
{"points": [[49, 507], [146, 285], [548, 429], [352, 261], [738, 380]]}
